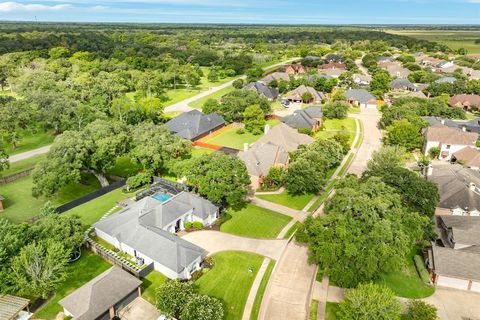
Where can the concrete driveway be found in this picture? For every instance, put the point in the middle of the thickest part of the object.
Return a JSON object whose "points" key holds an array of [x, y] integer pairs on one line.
{"points": [[288, 292], [372, 139], [216, 241], [139, 309], [456, 304]]}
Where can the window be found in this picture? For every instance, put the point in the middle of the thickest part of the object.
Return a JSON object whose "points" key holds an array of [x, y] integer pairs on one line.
{"points": [[448, 147]]}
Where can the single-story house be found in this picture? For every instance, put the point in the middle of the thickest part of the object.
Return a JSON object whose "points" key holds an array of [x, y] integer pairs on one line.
{"points": [[297, 95], [334, 57], [446, 80], [454, 259], [307, 118], [445, 64], [194, 124], [296, 68], [458, 187], [332, 65], [395, 69], [102, 297], [465, 101], [468, 157], [430, 61], [362, 80], [449, 140], [146, 230], [361, 98], [403, 84], [275, 76], [14, 308], [263, 90], [334, 73], [271, 150]]}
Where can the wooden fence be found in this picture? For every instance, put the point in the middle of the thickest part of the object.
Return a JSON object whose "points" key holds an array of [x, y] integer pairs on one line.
{"points": [[15, 176]]}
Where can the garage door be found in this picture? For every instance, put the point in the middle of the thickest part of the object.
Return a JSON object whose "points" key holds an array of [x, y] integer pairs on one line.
{"points": [[452, 283]]}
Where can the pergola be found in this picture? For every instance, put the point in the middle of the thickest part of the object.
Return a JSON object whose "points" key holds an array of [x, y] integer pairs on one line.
{"points": [[11, 306]]}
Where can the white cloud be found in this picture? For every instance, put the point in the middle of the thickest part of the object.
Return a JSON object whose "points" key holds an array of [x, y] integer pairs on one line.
{"points": [[20, 7]]}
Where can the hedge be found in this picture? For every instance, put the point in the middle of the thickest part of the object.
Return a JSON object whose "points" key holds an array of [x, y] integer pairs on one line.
{"points": [[422, 271]]}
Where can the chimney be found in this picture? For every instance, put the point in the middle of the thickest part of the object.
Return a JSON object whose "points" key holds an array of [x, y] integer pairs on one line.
{"points": [[266, 129], [245, 146]]}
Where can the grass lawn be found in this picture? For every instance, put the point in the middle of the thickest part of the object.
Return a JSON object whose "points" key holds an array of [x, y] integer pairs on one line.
{"points": [[331, 311], [22, 165], [354, 110], [292, 230], [313, 310], [125, 167], [216, 95], [178, 95], [230, 281], [288, 200], [206, 84], [230, 137], [20, 205], [80, 272], [92, 211], [333, 126], [261, 290], [406, 283], [150, 284], [198, 151], [323, 196], [30, 141], [255, 222]]}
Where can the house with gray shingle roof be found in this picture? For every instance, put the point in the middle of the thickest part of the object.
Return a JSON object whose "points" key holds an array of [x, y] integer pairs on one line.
{"points": [[454, 259], [361, 98], [446, 80], [194, 124], [103, 296], [307, 118], [263, 90], [146, 230], [403, 84], [296, 95], [275, 76]]}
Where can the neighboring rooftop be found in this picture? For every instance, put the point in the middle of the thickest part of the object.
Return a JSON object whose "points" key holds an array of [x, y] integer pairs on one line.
{"points": [[262, 89], [11, 306], [465, 100], [96, 297], [456, 263], [275, 76], [193, 124], [402, 84], [448, 135], [360, 95], [298, 93], [446, 80], [469, 157], [306, 118]]}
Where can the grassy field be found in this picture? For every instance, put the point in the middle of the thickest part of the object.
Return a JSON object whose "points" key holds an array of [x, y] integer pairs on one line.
{"points": [[206, 84], [150, 284], [288, 200], [230, 280], [331, 310], [406, 283], [20, 205], [30, 141], [261, 290], [455, 39], [255, 222], [198, 104], [230, 137], [80, 272], [333, 126], [92, 211], [22, 165]]}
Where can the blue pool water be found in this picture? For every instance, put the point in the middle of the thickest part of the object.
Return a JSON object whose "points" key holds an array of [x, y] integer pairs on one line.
{"points": [[162, 197]]}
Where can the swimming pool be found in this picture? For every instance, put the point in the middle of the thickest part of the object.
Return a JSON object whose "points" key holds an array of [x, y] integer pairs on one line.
{"points": [[162, 197]]}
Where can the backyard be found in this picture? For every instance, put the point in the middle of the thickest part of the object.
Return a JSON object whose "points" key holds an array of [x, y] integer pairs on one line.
{"points": [[230, 280], [230, 138], [78, 273], [22, 165], [150, 284], [333, 126], [255, 222]]}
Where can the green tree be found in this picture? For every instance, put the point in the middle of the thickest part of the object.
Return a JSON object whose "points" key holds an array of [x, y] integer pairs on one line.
{"points": [[404, 134], [385, 160], [369, 301], [307, 173], [4, 163], [238, 84], [254, 119], [419, 310], [275, 177], [221, 178], [67, 230], [202, 307], [172, 296], [336, 110], [434, 152], [380, 82], [307, 97], [39, 268]]}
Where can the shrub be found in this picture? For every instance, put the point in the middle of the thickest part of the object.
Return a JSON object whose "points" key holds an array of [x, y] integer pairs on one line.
{"points": [[419, 310], [305, 131], [195, 225], [139, 180], [336, 110], [238, 84], [434, 152], [240, 131], [422, 271]]}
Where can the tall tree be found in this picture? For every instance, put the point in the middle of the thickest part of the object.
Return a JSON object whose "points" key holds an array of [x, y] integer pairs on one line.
{"points": [[254, 119]]}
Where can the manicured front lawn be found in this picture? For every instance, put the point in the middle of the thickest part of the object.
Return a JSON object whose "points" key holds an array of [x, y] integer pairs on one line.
{"points": [[150, 284], [230, 137], [313, 310], [198, 104], [22, 165], [331, 311], [288, 200], [255, 222], [230, 280], [333, 126], [92, 211], [406, 283], [79, 272], [261, 290], [31, 141], [20, 205]]}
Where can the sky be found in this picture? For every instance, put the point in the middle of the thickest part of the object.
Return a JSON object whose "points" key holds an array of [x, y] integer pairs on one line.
{"points": [[246, 11]]}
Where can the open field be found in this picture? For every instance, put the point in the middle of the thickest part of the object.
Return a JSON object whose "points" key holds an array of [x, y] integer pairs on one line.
{"points": [[230, 280], [455, 39]]}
